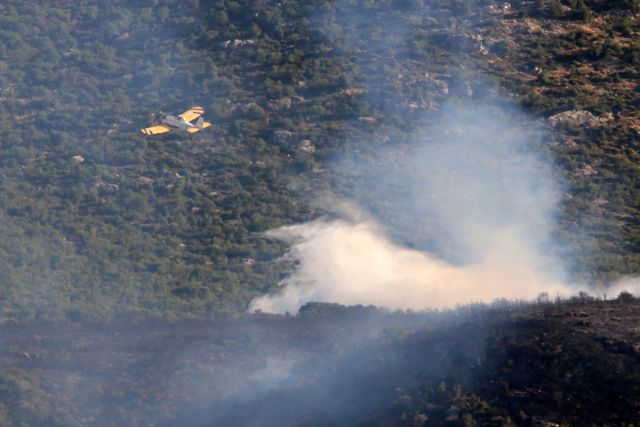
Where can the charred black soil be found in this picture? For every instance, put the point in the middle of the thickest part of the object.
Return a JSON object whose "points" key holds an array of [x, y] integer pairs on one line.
{"points": [[568, 363]]}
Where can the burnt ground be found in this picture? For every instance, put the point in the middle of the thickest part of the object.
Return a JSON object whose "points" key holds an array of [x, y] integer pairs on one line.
{"points": [[573, 363]]}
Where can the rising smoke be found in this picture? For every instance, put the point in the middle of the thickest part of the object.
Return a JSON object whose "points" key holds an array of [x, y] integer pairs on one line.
{"points": [[474, 196]]}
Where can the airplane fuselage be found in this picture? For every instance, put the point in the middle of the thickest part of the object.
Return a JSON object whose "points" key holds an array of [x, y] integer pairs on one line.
{"points": [[177, 122]]}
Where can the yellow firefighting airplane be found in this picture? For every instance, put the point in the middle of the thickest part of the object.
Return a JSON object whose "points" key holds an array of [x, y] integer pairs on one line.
{"points": [[182, 122]]}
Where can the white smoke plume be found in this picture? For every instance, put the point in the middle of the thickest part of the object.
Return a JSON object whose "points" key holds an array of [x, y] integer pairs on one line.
{"points": [[472, 194], [356, 264], [630, 284]]}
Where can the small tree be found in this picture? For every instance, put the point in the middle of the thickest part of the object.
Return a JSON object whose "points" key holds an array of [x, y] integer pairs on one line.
{"points": [[584, 12], [543, 298], [625, 297]]}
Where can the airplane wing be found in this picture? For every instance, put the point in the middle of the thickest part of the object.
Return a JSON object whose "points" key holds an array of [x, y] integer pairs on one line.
{"points": [[193, 113], [156, 129], [194, 130]]}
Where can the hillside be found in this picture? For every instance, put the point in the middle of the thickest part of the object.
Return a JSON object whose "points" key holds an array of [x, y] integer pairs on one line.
{"points": [[128, 263], [571, 363], [171, 227]]}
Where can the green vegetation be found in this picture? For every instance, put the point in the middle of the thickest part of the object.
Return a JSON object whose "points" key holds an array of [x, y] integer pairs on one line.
{"points": [[170, 227]]}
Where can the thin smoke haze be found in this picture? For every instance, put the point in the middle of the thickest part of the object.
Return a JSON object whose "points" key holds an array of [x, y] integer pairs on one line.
{"points": [[471, 193]]}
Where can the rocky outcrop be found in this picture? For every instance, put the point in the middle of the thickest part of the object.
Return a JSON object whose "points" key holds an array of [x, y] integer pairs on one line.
{"points": [[237, 43], [578, 118]]}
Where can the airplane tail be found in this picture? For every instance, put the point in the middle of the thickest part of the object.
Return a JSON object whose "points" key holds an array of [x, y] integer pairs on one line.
{"points": [[200, 123]]}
